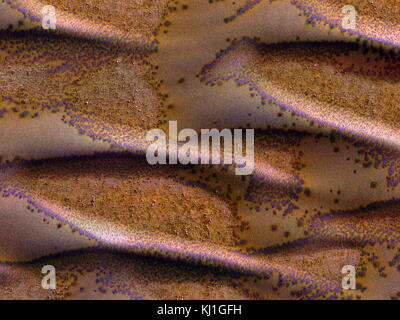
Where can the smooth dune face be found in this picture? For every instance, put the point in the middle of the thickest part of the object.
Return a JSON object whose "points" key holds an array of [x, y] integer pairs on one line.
{"points": [[337, 84], [377, 20], [77, 191]]}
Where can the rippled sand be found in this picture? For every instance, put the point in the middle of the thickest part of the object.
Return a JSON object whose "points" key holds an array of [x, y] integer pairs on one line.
{"points": [[76, 191]]}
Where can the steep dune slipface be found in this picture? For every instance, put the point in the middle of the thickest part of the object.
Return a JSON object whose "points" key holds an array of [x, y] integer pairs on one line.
{"points": [[375, 20]]}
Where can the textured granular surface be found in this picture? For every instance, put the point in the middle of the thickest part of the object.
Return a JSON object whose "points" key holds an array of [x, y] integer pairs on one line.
{"points": [[78, 192]]}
